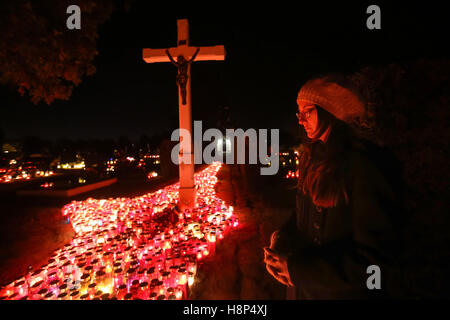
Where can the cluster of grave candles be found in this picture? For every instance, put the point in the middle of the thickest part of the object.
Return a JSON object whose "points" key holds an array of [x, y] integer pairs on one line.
{"points": [[122, 249]]}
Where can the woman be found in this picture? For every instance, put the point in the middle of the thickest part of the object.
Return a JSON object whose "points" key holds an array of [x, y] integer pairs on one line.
{"points": [[343, 220]]}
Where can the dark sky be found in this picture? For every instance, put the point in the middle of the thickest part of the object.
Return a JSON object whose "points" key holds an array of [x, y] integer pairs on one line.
{"points": [[272, 49]]}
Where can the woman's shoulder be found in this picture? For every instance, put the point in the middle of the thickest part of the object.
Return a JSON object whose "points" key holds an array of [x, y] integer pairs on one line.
{"points": [[359, 161], [367, 168], [368, 156]]}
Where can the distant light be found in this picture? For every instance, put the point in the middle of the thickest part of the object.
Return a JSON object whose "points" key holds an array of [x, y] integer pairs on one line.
{"points": [[152, 175], [72, 165], [220, 144]]}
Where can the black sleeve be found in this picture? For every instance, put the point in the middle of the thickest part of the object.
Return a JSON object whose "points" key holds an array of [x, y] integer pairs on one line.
{"points": [[342, 265], [289, 227]]}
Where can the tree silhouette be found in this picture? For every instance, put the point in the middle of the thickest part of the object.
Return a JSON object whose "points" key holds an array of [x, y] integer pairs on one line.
{"points": [[408, 113], [39, 55]]}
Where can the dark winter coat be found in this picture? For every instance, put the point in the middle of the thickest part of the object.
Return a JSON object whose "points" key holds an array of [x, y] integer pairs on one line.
{"points": [[331, 248]]}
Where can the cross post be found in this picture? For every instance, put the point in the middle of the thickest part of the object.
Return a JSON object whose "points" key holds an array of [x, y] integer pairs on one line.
{"points": [[182, 56]]}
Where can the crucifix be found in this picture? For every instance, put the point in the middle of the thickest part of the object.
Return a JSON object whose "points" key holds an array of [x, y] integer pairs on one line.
{"points": [[185, 55]]}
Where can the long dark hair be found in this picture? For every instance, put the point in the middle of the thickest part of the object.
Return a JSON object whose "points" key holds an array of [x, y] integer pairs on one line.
{"points": [[323, 166]]}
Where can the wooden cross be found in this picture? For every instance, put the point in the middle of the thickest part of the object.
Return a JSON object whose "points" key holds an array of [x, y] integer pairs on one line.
{"points": [[182, 56]]}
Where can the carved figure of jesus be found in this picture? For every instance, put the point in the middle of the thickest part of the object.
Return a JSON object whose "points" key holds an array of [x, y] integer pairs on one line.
{"points": [[182, 76]]}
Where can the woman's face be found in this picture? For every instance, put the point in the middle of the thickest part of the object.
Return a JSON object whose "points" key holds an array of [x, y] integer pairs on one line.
{"points": [[307, 117]]}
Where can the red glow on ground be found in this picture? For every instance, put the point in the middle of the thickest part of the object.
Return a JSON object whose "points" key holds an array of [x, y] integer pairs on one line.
{"points": [[129, 248]]}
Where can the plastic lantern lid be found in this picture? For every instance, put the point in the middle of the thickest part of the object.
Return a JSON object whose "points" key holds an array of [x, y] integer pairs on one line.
{"points": [[75, 293], [105, 296], [37, 284], [62, 295], [43, 291], [128, 296]]}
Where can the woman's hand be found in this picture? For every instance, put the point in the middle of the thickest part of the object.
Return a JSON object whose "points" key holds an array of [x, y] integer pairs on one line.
{"points": [[276, 265]]}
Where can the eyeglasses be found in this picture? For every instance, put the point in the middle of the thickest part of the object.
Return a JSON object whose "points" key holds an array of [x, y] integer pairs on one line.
{"points": [[305, 114]]}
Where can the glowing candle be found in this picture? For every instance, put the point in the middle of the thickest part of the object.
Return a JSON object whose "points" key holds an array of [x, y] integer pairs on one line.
{"points": [[120, 241]]}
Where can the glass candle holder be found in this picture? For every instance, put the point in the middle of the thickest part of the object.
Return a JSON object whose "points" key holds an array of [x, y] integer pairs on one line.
{"points": [[148, 262], [53, 286], [134, 287], [75, 285], [36, 287], [170, 291], [92, 289], [117, 264], [100, 277], [191, 278], [192, 266], [68, 277], [99, 250], [39, 275], [41, 294], [159, 288], [121, 291], [107, 257], [118, 255], [177, 260], [174, 272], [131, 274], [134, 264], [182, 276], [98, 294], [62, 288], [89, 269], [118, 277], [88, 256], [179, 293], [151, 275], [142, 275], [81, 265], [159, 264], [143, 291], [85, 279], [67, 267], [96, 264], [51, 276]]}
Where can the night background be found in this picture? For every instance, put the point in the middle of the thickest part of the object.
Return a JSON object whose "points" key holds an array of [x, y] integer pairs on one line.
{"points": [[68, 96], [271, 52]]}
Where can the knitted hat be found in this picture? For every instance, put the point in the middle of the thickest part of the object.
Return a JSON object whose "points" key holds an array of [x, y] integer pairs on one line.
{"points": [[334, 94]]}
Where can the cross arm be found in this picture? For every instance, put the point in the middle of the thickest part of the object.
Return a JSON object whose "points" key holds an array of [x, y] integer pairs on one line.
{"points": [[205, 54]]}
